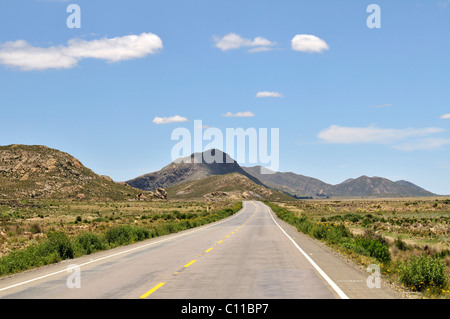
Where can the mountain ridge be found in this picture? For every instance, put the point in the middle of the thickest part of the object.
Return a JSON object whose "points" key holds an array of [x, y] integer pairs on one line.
{"points": [[363, 186]]}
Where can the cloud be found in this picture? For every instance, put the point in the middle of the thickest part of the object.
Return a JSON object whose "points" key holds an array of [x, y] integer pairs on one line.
{"points": [[445, 116], [26, 57], [308, 43], [239, 114], [444, 3], [168, 120], [423, 144], [233, 41], [263, 94], [260, 49], [355, 135]]}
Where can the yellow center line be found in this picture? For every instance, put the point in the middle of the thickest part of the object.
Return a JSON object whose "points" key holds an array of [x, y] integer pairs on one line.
{"points": [[148, 293], [187, 265]]}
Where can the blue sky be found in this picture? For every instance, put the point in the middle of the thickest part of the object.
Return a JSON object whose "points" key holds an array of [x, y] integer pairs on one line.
{"points": [[354, 101]]}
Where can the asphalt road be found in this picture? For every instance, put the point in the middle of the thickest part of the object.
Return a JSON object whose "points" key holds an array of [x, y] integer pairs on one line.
{"points": [[251, 255]]}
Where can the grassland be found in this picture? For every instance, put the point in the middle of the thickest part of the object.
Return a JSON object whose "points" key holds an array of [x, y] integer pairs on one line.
{"points": [[39, 232], [408, 238]]}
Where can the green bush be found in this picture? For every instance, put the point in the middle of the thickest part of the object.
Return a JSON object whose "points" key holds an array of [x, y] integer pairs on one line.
{"points": [[374, 248], [59, 242], [125, 234], [375, 245], [352, 217], [400, 244], [318, 231], [423, 272], [89, 243]]}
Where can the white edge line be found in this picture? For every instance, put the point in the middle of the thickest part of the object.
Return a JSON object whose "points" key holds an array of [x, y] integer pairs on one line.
{"points": [[319, 270], [122, 252]]}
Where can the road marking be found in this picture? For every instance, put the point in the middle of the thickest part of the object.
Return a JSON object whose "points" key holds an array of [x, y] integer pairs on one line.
{"points": [[190, 263], [189, 232], [193, 261], [319, 270], [148, 293]]}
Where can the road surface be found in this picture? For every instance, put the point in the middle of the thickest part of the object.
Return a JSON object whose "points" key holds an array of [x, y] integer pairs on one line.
{"points": [[250, 255]]}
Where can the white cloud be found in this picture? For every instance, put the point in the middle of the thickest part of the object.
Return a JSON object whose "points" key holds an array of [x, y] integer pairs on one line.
{"points": [[308, 43], [168, 120], [260, 49], [353, 135], [263, 94], [233, 41], [423, 144], [239, 114], [22, 55], [445, 116]]}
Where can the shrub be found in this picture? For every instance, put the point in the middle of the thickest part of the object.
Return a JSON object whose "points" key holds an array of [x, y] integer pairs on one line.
{"points": [[375, 248], [424, 272], [318, 231], [352, 217], [125, 234], [375, 245], [59, 242], [400, 244], [35, 228], [89, 243], [366, 222]]}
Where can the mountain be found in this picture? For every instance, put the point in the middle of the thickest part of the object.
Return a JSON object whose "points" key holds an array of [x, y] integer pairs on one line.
{"points": [[195, 167], [290, 183], [303, 186], [34, 171], [409, 184], [232, 186], [377, 187]]}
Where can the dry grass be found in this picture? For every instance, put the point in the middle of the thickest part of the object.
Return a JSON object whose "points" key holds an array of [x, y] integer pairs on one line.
{"points": [[25, 222], [412, 226]]}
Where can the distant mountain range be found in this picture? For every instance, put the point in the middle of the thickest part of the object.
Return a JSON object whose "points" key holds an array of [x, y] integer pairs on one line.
{"points": [[304, 186], [290, 183], [33, 171]]}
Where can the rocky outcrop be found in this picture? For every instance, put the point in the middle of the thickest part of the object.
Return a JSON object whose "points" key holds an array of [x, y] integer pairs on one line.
{"points": [[34, 171]]}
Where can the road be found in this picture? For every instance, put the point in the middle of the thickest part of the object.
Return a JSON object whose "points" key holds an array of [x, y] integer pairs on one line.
{"points": [[250, 255]]}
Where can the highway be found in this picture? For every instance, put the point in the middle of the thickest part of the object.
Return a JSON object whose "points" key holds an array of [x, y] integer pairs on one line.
{"points": [[250, 255]]}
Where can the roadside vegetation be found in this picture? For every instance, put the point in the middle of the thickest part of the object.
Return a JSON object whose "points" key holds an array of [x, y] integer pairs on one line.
{"points": [[34, 234], [409, 241]]}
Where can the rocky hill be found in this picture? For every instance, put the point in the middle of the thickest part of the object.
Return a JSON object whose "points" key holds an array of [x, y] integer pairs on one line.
{"points": [[33, 171], [232, 186], [187, 169]]}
